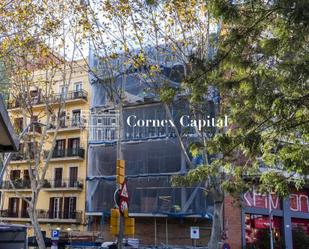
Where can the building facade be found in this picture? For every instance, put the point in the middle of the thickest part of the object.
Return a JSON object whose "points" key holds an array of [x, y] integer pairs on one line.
{"points": [[61, 202]]}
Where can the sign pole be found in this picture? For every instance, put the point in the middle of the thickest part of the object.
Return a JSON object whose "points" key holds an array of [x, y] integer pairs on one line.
{"points": [[270, 223]]}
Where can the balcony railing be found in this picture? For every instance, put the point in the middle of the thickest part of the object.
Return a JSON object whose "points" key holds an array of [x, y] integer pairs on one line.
{"points": [[73, 123], [11, 214], [18, 184], [48, 214], [20, 156], [40, 99], [44, 214], [64, 183], [70, 152], [80, 94]]}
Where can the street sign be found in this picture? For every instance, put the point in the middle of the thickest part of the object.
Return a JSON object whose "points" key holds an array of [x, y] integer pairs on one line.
{"points": [[55, 234], [124, 191], [123, 206], [195, 232]]}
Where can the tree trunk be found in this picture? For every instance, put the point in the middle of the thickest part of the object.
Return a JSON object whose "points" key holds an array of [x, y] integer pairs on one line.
{"points": [[216, 230], [36, 228]]}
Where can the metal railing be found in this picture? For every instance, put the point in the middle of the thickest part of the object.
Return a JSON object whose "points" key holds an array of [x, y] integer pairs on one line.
{"points": [[73, 123], [44, 214], [40, 99], [20, 156], [6, 213], [50, 214], [56, 183], [18, 184], [69, 152], [64, 183]]}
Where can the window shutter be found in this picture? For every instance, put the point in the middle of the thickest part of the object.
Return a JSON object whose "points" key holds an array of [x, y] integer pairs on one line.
{"points": [[51, 207]]}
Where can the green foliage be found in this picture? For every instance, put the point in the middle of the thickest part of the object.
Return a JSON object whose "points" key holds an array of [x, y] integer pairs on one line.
{"points": [[261, 70], [167, 94]]}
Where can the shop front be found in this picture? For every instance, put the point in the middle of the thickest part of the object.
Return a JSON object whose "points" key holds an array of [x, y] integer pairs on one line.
{"points": [[287, 220]]}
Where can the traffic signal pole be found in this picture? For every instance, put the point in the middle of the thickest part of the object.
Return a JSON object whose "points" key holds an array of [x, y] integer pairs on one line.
{"points": [[120, 157], [121, 224]]}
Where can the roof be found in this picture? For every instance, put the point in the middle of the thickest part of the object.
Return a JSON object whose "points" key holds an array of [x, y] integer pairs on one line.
{"points": [[8, 140]]}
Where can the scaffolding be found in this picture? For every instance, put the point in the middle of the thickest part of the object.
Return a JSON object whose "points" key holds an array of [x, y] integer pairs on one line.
{"points": [[152, 154]]}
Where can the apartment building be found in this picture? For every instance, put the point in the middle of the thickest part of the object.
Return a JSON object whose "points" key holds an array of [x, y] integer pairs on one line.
{"points": [[61, 202]]}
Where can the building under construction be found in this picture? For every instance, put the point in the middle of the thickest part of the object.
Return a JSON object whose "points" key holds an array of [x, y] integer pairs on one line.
{"points": [[163, 213]]}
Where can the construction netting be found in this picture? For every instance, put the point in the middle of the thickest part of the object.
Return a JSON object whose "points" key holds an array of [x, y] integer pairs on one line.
{"points": [[150, 195], [152, 154]]}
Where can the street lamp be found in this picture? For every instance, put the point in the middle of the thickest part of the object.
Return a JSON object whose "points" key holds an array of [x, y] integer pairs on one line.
{"points": [[70, 234]]}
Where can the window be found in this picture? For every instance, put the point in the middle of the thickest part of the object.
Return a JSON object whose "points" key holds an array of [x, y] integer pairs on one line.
{"points": [[14, 174], [24, 206], [26, 179], [26, 175], [62, 120], [35, 126], [13, 207], [69, 208], [35, 96], [59, 148], [58, 178], [18, 124], [73, 177], [63, 91], [73, 148], [55, 208], [76, 118], [78, 86]]}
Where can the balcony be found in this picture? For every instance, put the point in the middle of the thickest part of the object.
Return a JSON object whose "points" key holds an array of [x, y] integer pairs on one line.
{"points": [[20, 184], [67, 125], [67, 154], [44, 216], [20, 157], [59, 216], [73, 95], [63, 185], [41, 100], [11, 215]]}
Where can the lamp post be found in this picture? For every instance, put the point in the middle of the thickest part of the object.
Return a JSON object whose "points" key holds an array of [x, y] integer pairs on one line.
{"points": [[70, 235]]}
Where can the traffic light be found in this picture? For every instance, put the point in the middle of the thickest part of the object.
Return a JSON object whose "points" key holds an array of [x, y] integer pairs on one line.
{"points": [[129, 226], [120, 170], [114, 225]]}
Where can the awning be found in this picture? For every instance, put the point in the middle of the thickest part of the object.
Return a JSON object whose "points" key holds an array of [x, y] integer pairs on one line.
{"points": [[8, 140]]}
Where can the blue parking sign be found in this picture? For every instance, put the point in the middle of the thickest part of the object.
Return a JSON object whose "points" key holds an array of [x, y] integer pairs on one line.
{"points": [[55, 234]]}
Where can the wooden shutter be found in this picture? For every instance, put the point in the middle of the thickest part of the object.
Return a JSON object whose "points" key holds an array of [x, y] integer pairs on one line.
{"points": [[66, 207], [51, 207], [61, 208]]}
